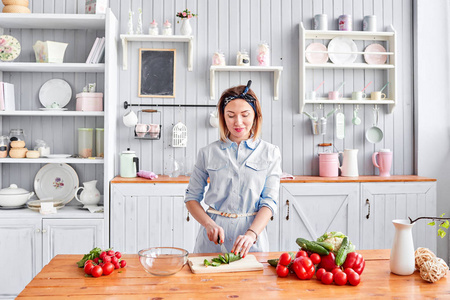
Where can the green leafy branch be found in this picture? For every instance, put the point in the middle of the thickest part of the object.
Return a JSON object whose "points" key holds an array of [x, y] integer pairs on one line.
{"points": [[445, 224]]}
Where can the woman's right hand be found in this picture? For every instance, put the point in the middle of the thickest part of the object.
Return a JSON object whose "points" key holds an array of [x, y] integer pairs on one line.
{"points": [[215, 233]]}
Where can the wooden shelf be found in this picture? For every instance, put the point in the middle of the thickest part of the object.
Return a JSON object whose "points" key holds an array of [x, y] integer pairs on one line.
{"points": [[275, 69], [355, 35], [53, 21], [156, 38], [49, 113], [51, 160], [49, 67]]}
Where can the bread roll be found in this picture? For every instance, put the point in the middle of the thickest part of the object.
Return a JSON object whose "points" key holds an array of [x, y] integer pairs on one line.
{"points": [[17, 144], [32, 154], [18, 152], [15, 2], [16, 9]]}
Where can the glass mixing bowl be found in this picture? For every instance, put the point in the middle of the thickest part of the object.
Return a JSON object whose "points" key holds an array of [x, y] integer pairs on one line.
{"points": [[163, 261]]}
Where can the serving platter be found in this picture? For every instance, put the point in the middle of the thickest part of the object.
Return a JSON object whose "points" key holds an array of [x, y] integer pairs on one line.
{"points": [[56, 181]]}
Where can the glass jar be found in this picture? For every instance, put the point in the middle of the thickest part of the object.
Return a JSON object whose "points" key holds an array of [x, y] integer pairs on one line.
{"points": [[153, 30], [99, 140], [167, 30], [85, 142], [218, 59], [242, 58], [16, 135], [4, 141], [263, 54]]}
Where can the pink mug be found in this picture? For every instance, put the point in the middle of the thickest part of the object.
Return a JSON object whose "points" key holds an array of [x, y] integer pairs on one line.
{"points": [[334, 95], [142, 127], [384, 161]]}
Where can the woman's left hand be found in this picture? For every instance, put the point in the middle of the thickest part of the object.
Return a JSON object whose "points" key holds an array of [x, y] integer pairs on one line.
{"points": [[243, 244]]}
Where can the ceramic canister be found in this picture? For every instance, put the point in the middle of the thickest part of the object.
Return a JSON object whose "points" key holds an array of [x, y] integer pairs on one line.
{"points": [[370, 23], [345, 23], [328, 164], [320, 22]]}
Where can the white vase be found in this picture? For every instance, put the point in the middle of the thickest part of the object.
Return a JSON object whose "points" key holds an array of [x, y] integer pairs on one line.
{"points": [[402, 260], [186, 28]]}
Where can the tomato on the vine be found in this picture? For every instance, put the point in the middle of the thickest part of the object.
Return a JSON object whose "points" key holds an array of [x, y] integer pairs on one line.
{"points": [[110, 253], [327, 278], [102, 255], [97, 271], [284, 259], [315, 258], [301, 253], [340, 278], [88, 268], [108, 268], [282, 271], [320, 273], [123, 263], [353, 278], [335, 270], [118, 254]]}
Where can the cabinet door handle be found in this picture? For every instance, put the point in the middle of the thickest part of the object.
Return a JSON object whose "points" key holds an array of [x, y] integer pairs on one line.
{"points": [[271, 218], [38, 230], [368, 209], [287, 216], [44, 230], [188, 219]]}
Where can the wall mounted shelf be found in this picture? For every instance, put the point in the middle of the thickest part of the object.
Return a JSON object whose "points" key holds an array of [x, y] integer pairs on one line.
{"points": [[276, 76], [390, 67], [51, 161], [50, 67], [38, 113], [156, 38]]}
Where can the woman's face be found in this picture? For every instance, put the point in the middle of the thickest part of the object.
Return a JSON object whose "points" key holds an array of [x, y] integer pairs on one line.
{"points": [[239, 117]]}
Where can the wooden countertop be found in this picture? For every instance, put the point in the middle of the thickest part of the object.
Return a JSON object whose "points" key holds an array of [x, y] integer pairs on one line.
{"points": [[297, 179], [61, 278]]}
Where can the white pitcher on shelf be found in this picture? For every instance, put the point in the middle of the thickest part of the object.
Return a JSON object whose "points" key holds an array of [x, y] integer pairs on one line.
{"points": [[90, 195]]}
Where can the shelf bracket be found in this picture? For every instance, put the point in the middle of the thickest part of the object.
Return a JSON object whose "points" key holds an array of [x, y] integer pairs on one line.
{"points": [[125, 54], [276, 83]]}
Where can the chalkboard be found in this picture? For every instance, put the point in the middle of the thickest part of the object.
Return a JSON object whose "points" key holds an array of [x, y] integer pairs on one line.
{"points": [[157, 72]]}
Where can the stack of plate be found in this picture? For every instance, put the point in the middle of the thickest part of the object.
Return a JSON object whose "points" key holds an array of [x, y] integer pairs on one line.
{"points": [[36, 204]]}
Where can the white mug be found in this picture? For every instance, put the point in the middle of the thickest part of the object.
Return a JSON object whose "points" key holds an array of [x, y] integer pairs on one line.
{"points": [[377, 96], [130, 119], [358, 95], [311, 95]]}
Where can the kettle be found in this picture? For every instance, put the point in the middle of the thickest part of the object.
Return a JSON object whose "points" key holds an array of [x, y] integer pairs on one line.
{"points": [[349, 163], [129, 163]]}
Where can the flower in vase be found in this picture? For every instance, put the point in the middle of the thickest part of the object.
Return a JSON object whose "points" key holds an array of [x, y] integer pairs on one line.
{"points": [[185, 14]]}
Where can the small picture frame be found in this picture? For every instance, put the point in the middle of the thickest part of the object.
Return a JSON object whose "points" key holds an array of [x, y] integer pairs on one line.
{"points": [[157, 73]]}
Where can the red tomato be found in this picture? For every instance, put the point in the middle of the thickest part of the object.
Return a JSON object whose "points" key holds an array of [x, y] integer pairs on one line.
{"points": [[340, 278], [327, 278], [303, 267], [110, 253], [315, 258], [107, 259], [320, 273], [88, 261], [354, 278], [117, 265], [88, 268], [97, 271], [282, 271], [301, 253], [123, 263], [118, 254], [108, 268], [285, 259], [114, 260], [348, 271], [102, 255], [335, 270]]}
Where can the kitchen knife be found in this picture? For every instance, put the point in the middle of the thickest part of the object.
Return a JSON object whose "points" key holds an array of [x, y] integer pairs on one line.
{"points": [[222, 246]]}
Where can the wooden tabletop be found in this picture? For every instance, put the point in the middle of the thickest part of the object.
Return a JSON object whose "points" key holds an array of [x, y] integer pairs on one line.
{"points": [[297, 179], [62, 279]]}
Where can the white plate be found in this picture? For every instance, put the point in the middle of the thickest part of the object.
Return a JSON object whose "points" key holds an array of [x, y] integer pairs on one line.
{"points": [[58, 155], [57, 181], [344, 45], [55, 90], [58, 109], [13, 207], [37, 203], [375, 59], [316, 58]]}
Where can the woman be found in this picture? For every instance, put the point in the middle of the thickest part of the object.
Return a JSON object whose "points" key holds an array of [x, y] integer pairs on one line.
{"points": [[244, 174]]}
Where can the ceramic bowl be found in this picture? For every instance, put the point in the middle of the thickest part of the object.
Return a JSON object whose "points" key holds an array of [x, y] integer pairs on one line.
{"points": [[163, 261]]}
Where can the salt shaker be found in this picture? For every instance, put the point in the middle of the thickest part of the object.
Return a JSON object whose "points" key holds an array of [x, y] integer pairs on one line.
{"points": [[153, 30], [263, 54], [167, 29]]}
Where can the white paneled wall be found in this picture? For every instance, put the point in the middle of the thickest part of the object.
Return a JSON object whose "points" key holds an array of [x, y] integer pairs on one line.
{"points": [[232, 25]]}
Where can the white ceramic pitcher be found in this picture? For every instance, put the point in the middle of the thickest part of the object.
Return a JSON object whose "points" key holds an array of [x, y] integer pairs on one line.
{"points": [[349, 163], [90, 195], [402, 261]]}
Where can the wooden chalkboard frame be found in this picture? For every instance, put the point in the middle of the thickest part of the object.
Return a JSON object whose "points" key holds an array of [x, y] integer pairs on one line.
{"points": [[165, 88]]}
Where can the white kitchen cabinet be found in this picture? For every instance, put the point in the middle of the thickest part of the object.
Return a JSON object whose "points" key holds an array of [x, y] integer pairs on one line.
{"points": [[150, 215], [383, 202], [27, 244], [390, 68], [310, 209]]}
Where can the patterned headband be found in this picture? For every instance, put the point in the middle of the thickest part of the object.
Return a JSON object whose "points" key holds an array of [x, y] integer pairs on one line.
{"points": [[249, 98]]}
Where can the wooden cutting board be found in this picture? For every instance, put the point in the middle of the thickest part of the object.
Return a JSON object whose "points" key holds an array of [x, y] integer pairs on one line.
{"points": [[249, 263]]}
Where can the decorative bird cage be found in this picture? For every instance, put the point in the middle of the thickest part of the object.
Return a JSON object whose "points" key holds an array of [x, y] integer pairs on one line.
{"points": [[179, 135]]}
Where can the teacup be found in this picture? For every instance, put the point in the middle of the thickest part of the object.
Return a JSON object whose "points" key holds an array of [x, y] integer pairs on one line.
{"points": [[334, 95], [142, 128], [311, 95], [358, 95], [154, 130], [377, 96]]}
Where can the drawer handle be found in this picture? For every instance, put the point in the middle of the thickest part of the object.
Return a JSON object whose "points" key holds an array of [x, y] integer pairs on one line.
{"points": [[368, 209], [38, 230], [271, 218], [188, 219], [287, 216]]}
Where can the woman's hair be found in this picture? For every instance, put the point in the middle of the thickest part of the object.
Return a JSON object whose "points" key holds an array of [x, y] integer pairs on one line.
{"points": [[233, 92]]}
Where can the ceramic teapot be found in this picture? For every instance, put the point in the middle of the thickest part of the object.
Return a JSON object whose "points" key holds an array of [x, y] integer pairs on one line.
{"points": [[90, 195]]}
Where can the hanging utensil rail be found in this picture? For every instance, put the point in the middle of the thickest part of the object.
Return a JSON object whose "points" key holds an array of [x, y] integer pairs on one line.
{"points": [[126, 105]]}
